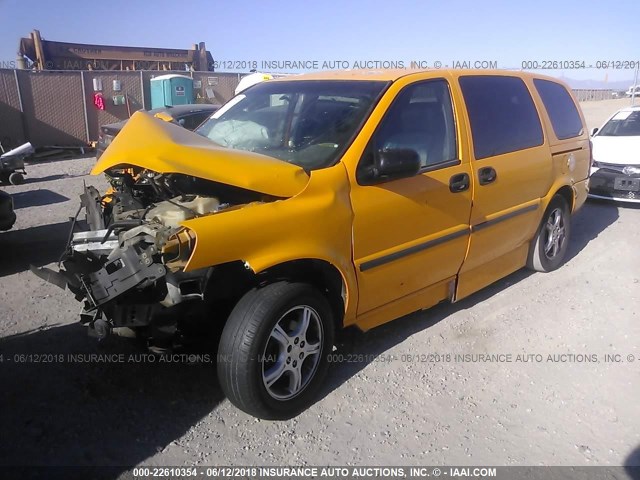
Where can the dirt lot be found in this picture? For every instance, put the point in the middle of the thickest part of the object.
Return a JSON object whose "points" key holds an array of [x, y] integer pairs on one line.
{"points": [[573, 408], [596, 113]]}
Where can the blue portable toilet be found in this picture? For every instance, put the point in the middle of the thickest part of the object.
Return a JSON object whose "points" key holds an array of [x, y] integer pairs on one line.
{"points": [[170, 90]]}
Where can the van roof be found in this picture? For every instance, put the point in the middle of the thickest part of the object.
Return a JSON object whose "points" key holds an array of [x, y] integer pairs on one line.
{"points": [[393, 75]]}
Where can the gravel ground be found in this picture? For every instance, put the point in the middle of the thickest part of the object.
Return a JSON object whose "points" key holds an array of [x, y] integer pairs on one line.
{"points": [[596, 113], [567, 406]]}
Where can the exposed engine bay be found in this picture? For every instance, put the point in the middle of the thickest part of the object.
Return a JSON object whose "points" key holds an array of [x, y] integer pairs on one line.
{"points": [[127, 264]]}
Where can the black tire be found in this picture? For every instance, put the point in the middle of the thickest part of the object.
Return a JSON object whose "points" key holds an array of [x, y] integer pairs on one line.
{"points": [[549, 247], [16, 178], [248, 352]]}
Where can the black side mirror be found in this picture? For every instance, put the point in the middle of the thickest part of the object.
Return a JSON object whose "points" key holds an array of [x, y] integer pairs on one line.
{"points": [[594, 131], [395, 163]]}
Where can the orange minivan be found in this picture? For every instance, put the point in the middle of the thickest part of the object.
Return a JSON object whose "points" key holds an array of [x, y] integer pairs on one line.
{"points": [[315, 202]]}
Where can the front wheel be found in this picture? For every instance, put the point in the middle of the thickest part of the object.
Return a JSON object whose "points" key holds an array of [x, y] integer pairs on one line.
{"points": [[549, 247], [273, 353]]}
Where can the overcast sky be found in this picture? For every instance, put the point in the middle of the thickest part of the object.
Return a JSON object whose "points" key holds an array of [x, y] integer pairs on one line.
{"points": [[508, 32]]}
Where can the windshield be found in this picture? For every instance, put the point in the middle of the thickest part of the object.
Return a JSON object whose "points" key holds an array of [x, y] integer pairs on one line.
{"points": [[623, 124], [308, 123]]}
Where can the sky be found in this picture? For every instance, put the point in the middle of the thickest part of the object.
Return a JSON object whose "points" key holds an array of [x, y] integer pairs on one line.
{"points": [[347, 31]]}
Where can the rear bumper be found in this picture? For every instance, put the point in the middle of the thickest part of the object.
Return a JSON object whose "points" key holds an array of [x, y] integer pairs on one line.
{"points": [[580, 192]]}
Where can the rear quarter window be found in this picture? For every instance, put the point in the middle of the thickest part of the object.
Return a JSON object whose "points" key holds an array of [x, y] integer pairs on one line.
{"points": [[502, 114], [561, 108]]}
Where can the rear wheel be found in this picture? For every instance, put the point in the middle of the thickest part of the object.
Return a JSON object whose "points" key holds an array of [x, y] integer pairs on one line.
{"points": [[549, 247], [273, 353]]}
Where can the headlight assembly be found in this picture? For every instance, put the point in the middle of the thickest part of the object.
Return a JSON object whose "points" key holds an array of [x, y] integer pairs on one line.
{"points": [[178, 249]]}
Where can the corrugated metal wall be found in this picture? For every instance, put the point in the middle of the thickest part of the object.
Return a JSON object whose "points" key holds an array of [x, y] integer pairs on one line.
{"points": [[56, 108]]}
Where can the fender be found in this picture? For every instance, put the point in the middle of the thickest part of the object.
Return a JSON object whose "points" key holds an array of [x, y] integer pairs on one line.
{"points": [[316, 224]]}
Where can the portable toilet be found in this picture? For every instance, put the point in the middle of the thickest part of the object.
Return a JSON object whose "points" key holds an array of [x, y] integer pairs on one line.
{"points": [[170, 90]]}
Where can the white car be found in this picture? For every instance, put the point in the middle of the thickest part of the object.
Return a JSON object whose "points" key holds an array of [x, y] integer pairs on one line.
{"points": [[251, 79], [630, 92], [615, 173]]}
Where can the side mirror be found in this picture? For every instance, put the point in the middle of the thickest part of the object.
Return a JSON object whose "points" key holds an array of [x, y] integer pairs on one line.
{"points": [[395, 163], [594, 131]]}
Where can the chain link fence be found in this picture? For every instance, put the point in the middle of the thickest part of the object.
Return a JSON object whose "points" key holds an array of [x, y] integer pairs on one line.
{"points": [[588, 95], [55, 108]]}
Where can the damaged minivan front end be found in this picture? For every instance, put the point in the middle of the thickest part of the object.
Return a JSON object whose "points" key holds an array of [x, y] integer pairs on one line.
{"points": [[128, 268], [128, 259]]}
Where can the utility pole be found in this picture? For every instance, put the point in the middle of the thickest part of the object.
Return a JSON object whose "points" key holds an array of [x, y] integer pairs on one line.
{"points": [[635, 86]]}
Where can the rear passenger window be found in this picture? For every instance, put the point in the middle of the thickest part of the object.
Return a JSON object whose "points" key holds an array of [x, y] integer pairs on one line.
{"points": [[502, 114], [562, 111]]}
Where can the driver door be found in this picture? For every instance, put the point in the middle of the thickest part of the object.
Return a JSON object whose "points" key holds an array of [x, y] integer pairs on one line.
{"points": [[410, 235]]}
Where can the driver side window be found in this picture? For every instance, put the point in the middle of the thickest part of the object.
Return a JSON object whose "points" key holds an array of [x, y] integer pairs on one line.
{"points": [[420, 119]]}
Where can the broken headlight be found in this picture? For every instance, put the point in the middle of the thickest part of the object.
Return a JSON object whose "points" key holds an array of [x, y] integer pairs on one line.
{"points": [[178, 249]]}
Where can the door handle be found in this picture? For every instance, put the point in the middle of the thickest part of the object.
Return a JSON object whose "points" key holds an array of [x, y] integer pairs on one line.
{"points": [[459, 183], [487, 175]]}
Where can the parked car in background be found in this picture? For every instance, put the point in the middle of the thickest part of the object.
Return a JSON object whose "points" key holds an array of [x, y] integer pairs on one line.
{"points": [[252, 79], [189, 116], [7, 215], [633, 90], [615, 173]]}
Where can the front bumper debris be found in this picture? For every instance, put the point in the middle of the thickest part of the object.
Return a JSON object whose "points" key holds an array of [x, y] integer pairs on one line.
{"points": [[122, 272]]}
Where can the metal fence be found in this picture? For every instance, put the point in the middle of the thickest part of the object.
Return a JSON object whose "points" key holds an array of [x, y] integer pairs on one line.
{"points": [[586, 95], [55, 108]]}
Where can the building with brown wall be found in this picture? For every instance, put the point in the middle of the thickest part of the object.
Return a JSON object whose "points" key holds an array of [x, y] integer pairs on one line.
{"points": [[49, 55]]}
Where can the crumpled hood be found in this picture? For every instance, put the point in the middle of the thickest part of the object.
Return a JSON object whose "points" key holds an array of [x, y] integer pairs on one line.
{"points": [[151, 143], [618, 150]]}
